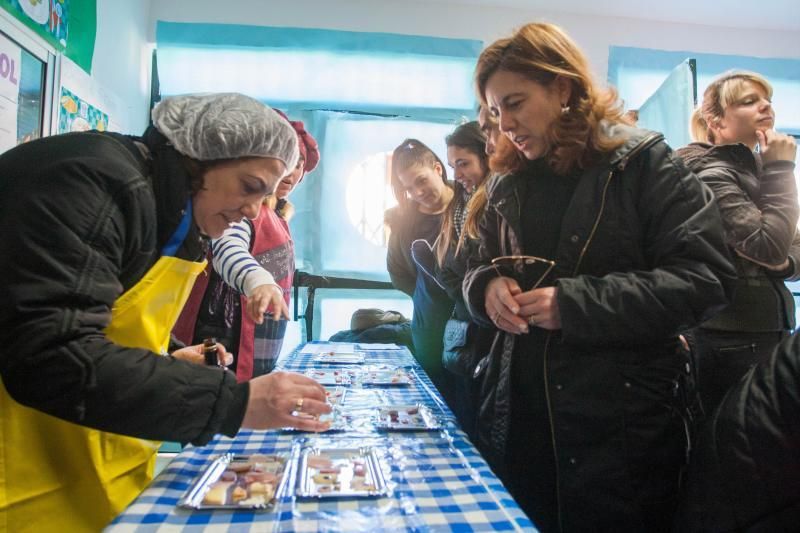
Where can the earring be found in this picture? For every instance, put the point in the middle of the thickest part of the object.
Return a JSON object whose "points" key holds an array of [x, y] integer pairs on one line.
{"points": [[564, 109]]}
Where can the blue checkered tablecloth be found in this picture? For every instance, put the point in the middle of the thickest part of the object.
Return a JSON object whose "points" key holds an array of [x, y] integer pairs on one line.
{"points": [[439, 481]]}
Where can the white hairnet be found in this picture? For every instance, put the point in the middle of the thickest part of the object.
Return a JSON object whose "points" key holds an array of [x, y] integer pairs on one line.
{"points": [[225, 126]]}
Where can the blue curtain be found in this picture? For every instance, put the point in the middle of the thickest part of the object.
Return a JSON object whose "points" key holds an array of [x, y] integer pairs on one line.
{"points": [[424, 77], [359, 94], [669, 108]]}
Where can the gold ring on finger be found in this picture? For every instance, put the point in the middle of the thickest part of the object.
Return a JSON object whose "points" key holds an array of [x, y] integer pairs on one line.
{"points": [[298, 405]]}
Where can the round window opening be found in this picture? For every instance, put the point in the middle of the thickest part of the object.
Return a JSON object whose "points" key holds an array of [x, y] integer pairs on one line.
{"points": [[368, 194]]}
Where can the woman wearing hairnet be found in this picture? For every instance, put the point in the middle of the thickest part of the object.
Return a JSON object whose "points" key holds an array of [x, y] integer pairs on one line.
{"points": [[103, 235]]}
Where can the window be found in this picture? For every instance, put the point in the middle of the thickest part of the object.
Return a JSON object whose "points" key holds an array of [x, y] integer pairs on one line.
{"points": [[26, 81], [360, 95]]}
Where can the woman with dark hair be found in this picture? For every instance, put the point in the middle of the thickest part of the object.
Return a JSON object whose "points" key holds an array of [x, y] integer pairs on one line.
{"points": [[596, 250], [419, 182], [757, 196], [104, 236], [253, 270], [464, 341]]}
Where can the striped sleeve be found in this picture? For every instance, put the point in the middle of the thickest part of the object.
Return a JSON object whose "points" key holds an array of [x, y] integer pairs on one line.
{"points": [[232, 260]]}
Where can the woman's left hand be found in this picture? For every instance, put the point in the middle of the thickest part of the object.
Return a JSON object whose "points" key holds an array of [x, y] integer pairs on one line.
{"points": [[264, 297], [194, 354], [540, 307]]}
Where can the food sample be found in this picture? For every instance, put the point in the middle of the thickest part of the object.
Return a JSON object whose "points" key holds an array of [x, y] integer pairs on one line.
{"points": [[239, 482], [397, 376], [409, 417], [353, 472], [329, 376]]}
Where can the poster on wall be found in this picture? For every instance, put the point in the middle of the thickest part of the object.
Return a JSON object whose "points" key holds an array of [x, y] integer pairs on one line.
{"points": [[10, 57], [85, 88], [75, 114], [51, 16]]}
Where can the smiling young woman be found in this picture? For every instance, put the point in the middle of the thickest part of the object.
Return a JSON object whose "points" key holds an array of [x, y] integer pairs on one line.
{"points": [[419, 182]]}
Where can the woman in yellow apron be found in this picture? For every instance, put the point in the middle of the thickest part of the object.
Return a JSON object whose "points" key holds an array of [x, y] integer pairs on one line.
{"points": [[103, 236]]}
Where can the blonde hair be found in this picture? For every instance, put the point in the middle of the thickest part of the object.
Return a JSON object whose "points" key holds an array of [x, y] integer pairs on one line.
{"points": [[724, 91], [541, 53], [475, 208]]}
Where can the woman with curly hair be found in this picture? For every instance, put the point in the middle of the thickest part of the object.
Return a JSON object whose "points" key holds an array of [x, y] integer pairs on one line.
{"points": [[596, 249]]}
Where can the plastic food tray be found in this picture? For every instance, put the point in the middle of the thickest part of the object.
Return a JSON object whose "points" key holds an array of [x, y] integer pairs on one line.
{"points": [[237, 482]]}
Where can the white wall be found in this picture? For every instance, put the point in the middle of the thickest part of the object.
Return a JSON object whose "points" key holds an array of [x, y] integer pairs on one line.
{"points": [[126, 32], [594, 33], [121, 63]]}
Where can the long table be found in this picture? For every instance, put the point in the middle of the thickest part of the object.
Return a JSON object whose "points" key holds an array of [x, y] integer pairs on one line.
{"points": [[439, 480]]}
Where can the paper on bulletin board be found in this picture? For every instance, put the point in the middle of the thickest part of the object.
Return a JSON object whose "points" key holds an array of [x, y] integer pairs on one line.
{"points": [[84, 87], [10, 57], [76, 114], [49, 18]]}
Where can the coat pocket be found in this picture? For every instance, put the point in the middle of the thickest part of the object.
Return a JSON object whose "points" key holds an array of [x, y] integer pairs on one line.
{"points": [[457, 354]]}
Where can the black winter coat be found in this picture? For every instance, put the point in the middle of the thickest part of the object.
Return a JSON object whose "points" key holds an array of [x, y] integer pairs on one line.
{"points": [[759, 209], [450, 275], [82, 218], [640, 257], [745, 469]]}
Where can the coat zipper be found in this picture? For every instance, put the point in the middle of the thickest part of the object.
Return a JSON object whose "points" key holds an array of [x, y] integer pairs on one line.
{"points": [[547, 346]]}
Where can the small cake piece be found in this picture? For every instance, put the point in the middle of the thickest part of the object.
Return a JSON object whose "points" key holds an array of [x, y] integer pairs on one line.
{"points": [[325, 479], [266, 490], [217, 494], [239, 493]]}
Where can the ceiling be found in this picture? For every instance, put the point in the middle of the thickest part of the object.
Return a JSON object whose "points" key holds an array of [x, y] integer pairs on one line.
{"points": [[763, 14]]}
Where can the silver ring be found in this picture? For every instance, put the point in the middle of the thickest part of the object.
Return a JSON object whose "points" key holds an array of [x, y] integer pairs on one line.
{"points": [[496, 317], [531, 320]]}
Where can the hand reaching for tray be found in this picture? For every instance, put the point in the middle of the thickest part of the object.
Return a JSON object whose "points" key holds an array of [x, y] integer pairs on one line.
{"points": [[278, 398]]}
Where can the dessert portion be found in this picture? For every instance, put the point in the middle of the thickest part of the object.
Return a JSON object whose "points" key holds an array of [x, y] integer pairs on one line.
{"points": [[406, 417], [350, 472], [237, 483], [329, 376], [397, 376]]}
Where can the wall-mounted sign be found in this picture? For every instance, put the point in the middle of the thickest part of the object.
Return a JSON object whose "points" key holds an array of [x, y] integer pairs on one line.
{"points": [[10, 57]]}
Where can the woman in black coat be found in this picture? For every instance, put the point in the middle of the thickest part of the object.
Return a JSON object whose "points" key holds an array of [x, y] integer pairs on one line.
{"points": [[757, 197], [596, 250], [103, 235]]}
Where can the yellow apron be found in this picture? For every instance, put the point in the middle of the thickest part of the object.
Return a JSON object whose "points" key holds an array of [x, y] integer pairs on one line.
{"points": [[59, 475]]}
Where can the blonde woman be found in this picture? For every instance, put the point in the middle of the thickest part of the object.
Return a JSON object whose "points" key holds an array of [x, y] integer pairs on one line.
{"points": [[757, 196]]}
